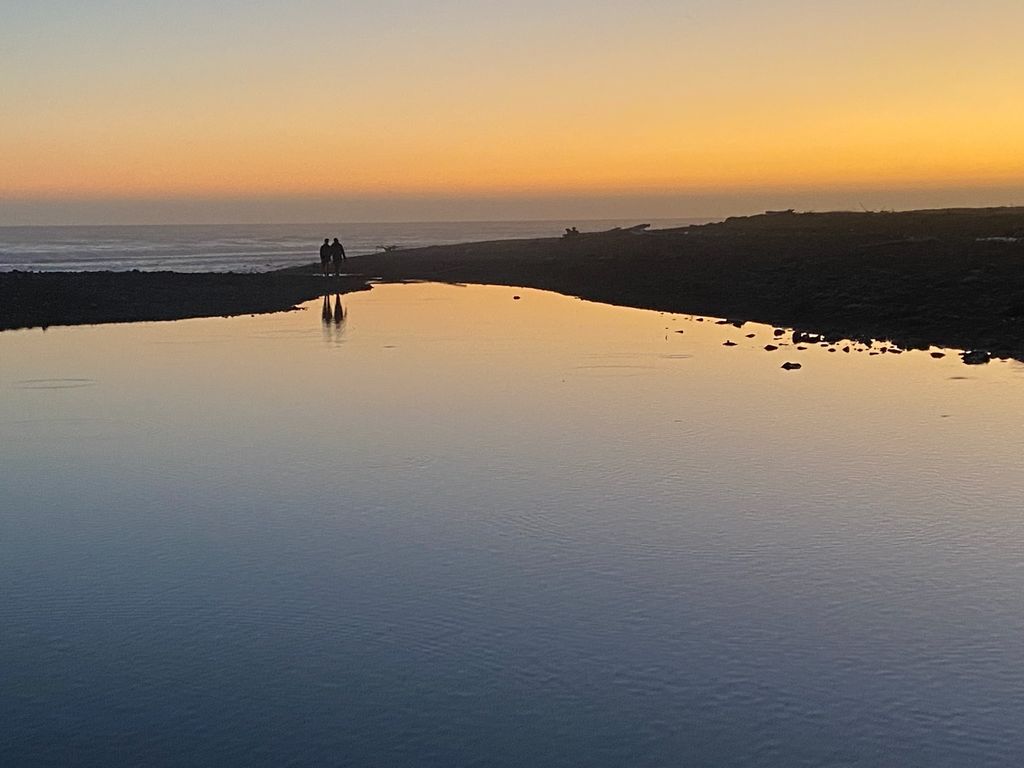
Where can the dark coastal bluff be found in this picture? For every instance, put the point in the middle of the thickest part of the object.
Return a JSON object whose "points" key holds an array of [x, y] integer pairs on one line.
{"points": [[952, 278]]}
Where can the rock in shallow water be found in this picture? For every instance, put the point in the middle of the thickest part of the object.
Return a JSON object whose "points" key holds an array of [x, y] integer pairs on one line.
{"points": [[976, 357]]}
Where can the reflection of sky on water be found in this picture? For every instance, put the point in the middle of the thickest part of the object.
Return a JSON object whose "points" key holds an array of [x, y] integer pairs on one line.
{"points": [[457, 526]]}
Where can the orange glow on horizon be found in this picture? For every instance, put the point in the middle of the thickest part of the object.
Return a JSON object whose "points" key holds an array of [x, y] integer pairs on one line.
{"points": [[727, 99], [628, 153]]}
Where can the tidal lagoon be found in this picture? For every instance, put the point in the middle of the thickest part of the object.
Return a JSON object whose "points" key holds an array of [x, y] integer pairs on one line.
{"points": [[450, 526]]}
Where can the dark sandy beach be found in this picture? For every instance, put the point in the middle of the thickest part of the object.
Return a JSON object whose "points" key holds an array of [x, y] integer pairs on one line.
{"points": [[952, 278], [43, 299]]}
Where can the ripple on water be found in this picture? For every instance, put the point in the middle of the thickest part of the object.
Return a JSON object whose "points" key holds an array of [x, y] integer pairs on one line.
{"points": [[613, 369], [68, 383]]}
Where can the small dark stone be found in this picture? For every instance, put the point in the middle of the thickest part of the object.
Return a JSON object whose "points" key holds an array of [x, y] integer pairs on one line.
{"points": [[846, 349], [778, 332], [787, 366], [751, 335], [770, 347], [516, 298], [729, 344], [976, 357], [937, 355]]}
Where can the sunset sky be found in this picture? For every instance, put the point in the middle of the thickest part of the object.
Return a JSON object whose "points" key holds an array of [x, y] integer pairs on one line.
{"points": [[144, 110]]}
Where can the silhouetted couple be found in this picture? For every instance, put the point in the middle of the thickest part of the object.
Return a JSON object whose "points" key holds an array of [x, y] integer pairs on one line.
{"points": [[331, 253]]}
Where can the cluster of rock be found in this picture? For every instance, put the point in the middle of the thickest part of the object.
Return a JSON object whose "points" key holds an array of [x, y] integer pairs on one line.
{"points": [[803, 338]]}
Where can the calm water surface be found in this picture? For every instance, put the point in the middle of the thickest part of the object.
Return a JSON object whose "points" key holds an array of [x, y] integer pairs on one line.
{"points": [[459, 529]]}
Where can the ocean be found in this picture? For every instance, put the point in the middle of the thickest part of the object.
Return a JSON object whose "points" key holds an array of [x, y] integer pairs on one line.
{"points": [[251, 248]]}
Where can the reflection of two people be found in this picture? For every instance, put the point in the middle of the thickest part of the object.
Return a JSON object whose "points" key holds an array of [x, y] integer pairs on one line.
{"points": [[334, 315]]}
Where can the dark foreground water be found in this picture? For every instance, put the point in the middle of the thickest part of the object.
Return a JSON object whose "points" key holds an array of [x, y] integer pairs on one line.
{"points": [[459, 529]]}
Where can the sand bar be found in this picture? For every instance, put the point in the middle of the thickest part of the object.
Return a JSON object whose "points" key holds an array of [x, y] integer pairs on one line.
{"points": [[950, 278]]}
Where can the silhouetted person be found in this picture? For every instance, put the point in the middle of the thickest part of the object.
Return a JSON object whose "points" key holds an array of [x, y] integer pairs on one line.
{"points": [[325, 257], [337, 256], [339, 311], [325, 311]]}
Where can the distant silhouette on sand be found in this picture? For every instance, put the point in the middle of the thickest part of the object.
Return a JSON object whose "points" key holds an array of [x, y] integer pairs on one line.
{"points": [[337, 255], [325, 257]]}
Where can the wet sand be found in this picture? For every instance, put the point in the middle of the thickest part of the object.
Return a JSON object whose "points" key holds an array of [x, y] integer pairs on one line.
{"points": [[951, 278], [42, 299]]}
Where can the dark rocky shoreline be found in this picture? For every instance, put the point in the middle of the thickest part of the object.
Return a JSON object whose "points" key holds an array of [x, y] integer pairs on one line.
{"points": [[950, 278]]}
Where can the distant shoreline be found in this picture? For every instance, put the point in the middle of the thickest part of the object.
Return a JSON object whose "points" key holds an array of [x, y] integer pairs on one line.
{"points": [[950, 278], [246, 248]]}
